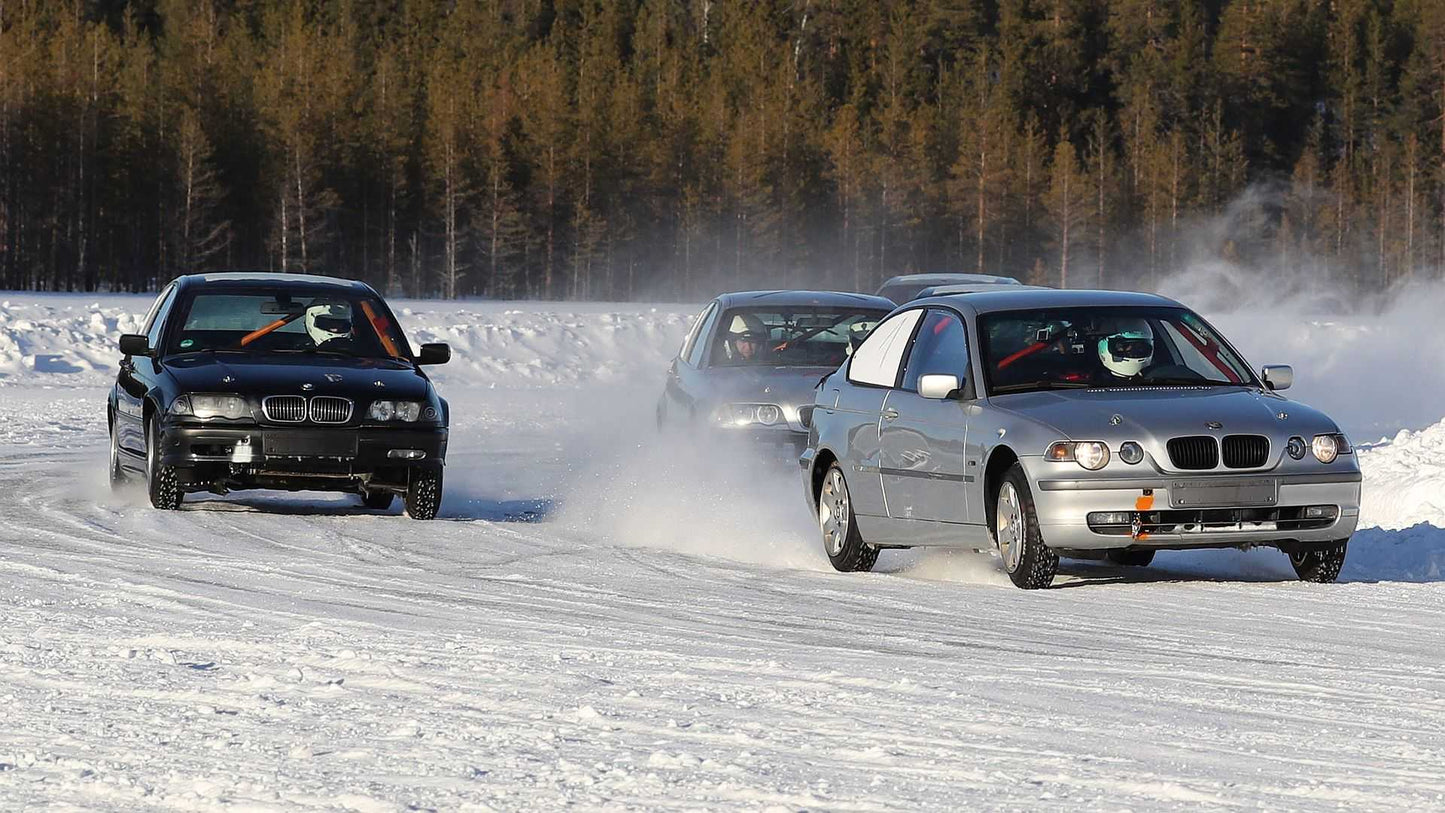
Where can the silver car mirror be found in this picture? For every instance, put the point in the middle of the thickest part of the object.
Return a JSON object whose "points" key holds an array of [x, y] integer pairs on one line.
{"points": [[938, 386], [1277, 376]]}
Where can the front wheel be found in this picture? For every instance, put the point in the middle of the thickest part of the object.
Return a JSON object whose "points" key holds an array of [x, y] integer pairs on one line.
{"points": [[424, 495], [1319, 565], [163, 482], [1029, 562]]}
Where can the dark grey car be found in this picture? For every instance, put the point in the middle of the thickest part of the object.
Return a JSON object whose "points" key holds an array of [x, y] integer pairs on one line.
{"points": [[1051, 423], [753, 358], [907, 287]]}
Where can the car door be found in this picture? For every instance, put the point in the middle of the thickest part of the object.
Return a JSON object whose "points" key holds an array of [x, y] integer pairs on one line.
{"points": [[873, 370], [923, 439], [682, 377], [137, 377]]}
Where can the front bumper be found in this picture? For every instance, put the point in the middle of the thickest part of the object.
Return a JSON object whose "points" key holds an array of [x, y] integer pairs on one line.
{"points": [[205, 453], [781, 443], [1161, 516]]}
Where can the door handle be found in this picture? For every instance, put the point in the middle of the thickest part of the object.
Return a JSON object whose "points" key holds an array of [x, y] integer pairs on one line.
{"points": [[890, 414]]}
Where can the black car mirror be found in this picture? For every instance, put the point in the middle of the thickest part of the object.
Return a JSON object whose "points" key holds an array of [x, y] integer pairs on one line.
{"points": [[135, 344], [438, 353]]}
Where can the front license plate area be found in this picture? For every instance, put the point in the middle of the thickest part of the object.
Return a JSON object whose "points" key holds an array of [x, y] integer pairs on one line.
{"points": [[1229, 494], [320, 444]]}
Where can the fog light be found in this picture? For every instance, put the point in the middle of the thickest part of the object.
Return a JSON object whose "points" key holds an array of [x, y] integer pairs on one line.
{"points": [[1320, 512], [1296, 448], [406, 454], [1111, 518], [1131, 452]]}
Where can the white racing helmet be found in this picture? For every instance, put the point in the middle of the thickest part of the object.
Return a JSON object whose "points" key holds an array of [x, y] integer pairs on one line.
{"points": [[1128, 350], [327, 322]]}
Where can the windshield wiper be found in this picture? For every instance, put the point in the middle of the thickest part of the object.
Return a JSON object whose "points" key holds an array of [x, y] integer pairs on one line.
{"points": [[1043, 385], [317, 351], [1180, 382]]}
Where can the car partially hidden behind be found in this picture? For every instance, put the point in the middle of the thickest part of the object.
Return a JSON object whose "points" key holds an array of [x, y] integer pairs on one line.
{"points": [[1052, 423], [753, 358], [907, 287], [277, 381]]}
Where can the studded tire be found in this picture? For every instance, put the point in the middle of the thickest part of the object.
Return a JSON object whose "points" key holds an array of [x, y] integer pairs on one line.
{"points": [[1015, 522], [163, 482], [118, 479], [1319, 565], [842, 541], [424, 495]]}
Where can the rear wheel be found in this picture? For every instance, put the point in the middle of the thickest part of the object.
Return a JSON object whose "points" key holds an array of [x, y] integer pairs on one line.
{"points": [[1131, 558], [841, 539], [117, 474], [163, 482], [1320, 565], [424, 495], [1029, 562], [377, 500]]}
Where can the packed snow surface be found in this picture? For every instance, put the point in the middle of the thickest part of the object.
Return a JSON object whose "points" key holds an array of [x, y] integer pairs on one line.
{"points": [[602, 619]]}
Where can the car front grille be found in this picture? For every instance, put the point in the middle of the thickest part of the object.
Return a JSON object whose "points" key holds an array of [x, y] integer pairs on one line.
{"points": [[1245, 451], [327, 409], [1195, 453], [284, 408], [330, 409]]}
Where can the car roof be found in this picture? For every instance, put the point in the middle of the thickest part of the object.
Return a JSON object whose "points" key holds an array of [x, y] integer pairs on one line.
{"points": [[1024, 297], [243, 278], [945, 279], [743, 299], [971, 288]]}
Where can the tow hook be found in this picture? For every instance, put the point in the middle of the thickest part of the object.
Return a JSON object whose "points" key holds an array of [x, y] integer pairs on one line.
{"points": [[1136, 528]]}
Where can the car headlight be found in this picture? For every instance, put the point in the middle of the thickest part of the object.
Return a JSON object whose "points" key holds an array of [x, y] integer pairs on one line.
{"points": [[1091, 454], [1329, 447], [405, 411], [748, 414], [232, 407]]}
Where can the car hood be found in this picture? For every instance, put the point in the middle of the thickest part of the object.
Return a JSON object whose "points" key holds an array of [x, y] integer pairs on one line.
{"points": [[784, 386], [281, 375], [1160, 414]]}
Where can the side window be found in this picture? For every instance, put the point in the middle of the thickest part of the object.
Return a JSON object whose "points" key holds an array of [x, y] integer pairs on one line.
{"points": [[156, 322], [687, 344], [876, 362], [150, 318], [941, 347], [699, 342]]}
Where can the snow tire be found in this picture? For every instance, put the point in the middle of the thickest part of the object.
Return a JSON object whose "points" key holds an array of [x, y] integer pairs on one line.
{"points": [[163, 482], [424, 495], [1319, 565], [842, 541], [1033, 563]]}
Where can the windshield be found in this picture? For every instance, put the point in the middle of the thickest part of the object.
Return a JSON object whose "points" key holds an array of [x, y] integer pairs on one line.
{"points": [[1093, 348], [287, 321], [790, 337]]}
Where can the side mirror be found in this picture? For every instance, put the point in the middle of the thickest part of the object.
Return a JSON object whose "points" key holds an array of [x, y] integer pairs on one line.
{"points": [[1277, 376], [134, 344], [439, 353], [938, 387]]}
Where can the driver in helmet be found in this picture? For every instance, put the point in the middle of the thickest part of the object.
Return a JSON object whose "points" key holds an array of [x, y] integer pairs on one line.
{"points": [[329, 325], [1128, 350], [747, 339]]}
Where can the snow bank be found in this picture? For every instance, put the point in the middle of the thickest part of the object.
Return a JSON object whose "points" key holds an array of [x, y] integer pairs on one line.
{"points": [[70, 340]]}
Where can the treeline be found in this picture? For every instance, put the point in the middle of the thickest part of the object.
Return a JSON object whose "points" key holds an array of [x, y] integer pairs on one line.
{"points": [[670, 148]]}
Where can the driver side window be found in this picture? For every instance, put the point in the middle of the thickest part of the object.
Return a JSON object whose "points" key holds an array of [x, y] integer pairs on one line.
{"points": [[941, 348], [156, 324]]}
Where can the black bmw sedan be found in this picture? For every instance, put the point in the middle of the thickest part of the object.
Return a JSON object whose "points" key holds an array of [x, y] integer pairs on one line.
{"points": [[277, 381]]}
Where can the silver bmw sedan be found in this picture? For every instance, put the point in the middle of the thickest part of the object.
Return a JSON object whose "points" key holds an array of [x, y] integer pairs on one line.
{"points": [[1084, 423]]}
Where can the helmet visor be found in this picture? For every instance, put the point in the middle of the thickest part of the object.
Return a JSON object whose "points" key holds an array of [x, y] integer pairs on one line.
{"points": [[1131, 347]]}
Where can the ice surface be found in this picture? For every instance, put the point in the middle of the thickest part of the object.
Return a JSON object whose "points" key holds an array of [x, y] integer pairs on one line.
{"points": [[606, 618]]}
